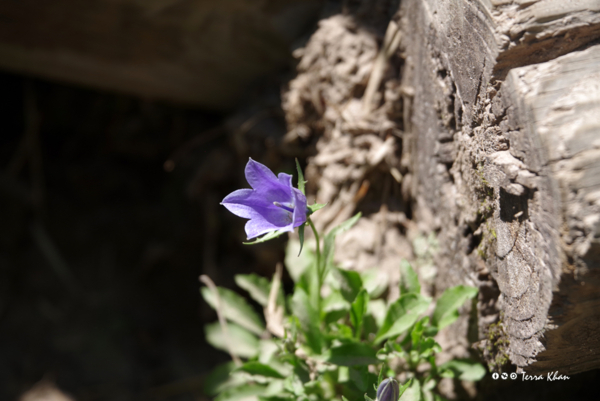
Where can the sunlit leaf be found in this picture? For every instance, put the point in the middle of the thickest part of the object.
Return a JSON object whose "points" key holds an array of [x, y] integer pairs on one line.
{"points": [[446, 308], [401, 315], [258, 287], [235, 308], [349, 283], [243, 392], [462, 369], [309, 319], [261, 369], [409, 281], [242, 343], [316, 206], [358, 310]]}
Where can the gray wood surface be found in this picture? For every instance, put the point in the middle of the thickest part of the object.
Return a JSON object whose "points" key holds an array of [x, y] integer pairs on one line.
{"points": [[505, 134]]}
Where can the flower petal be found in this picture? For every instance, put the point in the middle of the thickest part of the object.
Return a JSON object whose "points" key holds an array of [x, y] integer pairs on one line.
{"points": [[250, 204], [259, 175], [260, 226], [271, 188], [241, 203], [285, 180], [299, 207]]}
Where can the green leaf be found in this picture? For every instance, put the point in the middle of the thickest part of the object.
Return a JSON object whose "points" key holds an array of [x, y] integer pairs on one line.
{"points": [[429, 347], [411, 391], [359, 377], [374, 282], [257, 368], [268, 236], [417, 331], [462, 369], [258, 287], [221, 379], [301, 369], [349, 283], [301, 237], [446, 308], [329, 244], [344, 398], [295, 263], [294, 385], [309, 319], [242, 392], [403, 387], [279, 396], [409, 281], [243, 343], [377, 308], [316, 206], [335, 307], [352, 354], [301, 182], [235, 308], [380, 377], [335, 302], [401, 315], [358, 310]]}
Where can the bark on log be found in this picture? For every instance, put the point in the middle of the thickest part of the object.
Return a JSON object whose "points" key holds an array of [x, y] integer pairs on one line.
{"points": [[199, 52], [505, 130]]}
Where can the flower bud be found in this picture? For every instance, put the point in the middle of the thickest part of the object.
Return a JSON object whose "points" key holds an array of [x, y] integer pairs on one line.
{"points": [[388, 390]]}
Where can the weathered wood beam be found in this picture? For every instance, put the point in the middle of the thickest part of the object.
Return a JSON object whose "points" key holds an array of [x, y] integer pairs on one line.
{"points": [[492, 98]]}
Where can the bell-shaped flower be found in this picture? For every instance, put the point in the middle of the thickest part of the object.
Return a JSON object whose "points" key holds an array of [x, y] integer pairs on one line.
{"points": [[271, 205], [388, 390]]}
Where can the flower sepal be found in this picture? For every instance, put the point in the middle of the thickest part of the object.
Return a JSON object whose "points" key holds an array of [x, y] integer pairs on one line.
{"points": [[310, 209], [268, 236]]}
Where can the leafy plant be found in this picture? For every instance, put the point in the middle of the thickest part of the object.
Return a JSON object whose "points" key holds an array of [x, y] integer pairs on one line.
{"points": [[310, 347]]}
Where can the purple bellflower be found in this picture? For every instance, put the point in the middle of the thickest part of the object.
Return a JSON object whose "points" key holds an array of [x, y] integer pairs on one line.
{"points": [[271, 205]]}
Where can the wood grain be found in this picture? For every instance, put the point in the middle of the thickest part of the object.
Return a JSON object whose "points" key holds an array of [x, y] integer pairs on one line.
{"points": [[505, 154]]}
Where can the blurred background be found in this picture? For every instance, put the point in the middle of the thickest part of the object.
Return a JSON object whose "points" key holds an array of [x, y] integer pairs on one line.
{"points": [[124, 123]]}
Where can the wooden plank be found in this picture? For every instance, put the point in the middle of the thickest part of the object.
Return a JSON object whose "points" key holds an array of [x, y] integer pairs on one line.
{"points": [[198, 52], [560, 100], [521, 121]]}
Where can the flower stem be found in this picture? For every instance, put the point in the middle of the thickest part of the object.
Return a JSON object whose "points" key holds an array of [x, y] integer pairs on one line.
{"points": [[318, 246], [315, 292]]}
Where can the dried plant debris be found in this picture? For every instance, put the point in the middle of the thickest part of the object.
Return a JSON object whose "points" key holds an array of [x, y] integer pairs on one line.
{"points": [[346, 98]]}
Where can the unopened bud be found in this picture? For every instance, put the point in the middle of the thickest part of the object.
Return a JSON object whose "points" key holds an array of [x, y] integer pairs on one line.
{"points": [[388, 390]]}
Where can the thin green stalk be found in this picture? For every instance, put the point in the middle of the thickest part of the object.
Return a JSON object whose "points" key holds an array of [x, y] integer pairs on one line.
{"points": [[316, 292], [318, 246]]}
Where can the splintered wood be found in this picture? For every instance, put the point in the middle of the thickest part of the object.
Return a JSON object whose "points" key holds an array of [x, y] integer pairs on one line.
{"points": [[505, 154]]}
